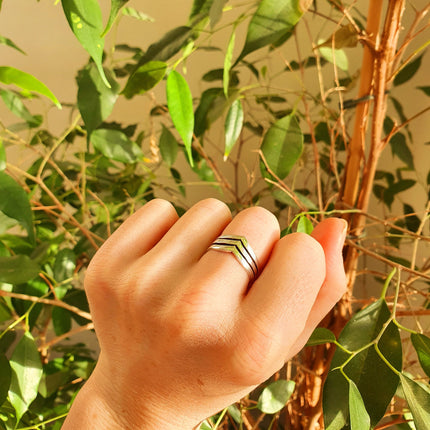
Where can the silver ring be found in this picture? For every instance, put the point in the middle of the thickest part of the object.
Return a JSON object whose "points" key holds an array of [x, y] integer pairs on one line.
{"points": [[240, 248]]}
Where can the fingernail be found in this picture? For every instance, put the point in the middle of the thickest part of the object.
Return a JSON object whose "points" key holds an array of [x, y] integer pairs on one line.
{"points": [[343, 231]]}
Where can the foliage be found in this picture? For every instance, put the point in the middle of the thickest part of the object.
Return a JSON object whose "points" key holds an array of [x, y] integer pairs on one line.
{"points": [[291, 147]]}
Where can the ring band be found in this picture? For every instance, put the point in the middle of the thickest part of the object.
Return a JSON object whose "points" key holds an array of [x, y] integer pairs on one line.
{"points": [[240, 248]]}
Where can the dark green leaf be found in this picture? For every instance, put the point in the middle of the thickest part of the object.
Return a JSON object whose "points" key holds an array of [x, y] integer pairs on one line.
{"points": [[14, 203], [419, 402], [26, 374], [170, 44], [180, 105], [85, 20], [400, 148], [16, 106], [271, 22], [320, 336], [376, 382], [95, 100], [411, 220], [204, 115], [11, 76], [422, 347], [233, 126], [17, 269], [178, 179], [5, 378], [359, 418], [275, 396], [215, 12], [115, 145], [200, 9], [61, 320], [425, 90], [168, 146], [2, 156], [402, 185], [304, 225], [408, 71], [8, 42], [115, 7], [283, 145], [145, 78]]}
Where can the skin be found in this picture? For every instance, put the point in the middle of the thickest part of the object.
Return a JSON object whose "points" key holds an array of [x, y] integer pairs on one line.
{"points": [[181, 331]]}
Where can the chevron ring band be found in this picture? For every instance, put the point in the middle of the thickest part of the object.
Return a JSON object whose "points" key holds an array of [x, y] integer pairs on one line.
{"points": [[240, 248]]}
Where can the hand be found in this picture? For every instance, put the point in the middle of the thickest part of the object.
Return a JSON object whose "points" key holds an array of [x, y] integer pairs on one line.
{"points": [[181, 334]]}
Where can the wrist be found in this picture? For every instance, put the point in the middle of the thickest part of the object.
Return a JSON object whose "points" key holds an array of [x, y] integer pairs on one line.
{"points": [[102, 405]]}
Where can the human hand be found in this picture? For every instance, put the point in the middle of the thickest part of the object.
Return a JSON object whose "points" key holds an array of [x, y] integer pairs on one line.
{"points": [[181, 334]]}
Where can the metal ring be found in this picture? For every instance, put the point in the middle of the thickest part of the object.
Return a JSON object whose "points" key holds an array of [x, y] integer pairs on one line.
{"points": [[240, 248]]}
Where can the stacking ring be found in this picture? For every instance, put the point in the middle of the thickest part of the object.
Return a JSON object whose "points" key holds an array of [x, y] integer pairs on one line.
{"points": [[240, 248]]}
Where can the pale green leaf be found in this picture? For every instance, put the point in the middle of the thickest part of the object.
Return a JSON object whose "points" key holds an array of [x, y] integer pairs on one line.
{"points": [[304, 225], [5, 377], [2, 156], [17, 269], [133, 13], [180, 105], [12, 76], [275, 396], [227, 62], [335, 56], [14, 203], [26, 374], [16, 106], [418, 401], [168, 146], [272, 21], [320, 336], [283, 145], [115, 145], [145, 78], [95, 100], [359, 418], [283, 197], [233, 126], [6, 41], [115, 7], [421, 344], [85, 20]]}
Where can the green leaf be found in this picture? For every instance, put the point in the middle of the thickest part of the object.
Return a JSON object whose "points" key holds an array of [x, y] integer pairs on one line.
{"points": [[5, 377], [283, 197], [376, 382], [145, 78], [321, 336], [227, 62], [408, 71], [12, 76], [64, 266], [10, 43], [141, 16], [16, 106], [14, 204], [359, 418], [170, 44], [85, 20], [275, 396], [2, 156], [421, 344], [400, 148], [335, 56], [17, 269], [115, 7], [180, 105], [215, 12], [61, 320], [425, 90], [304, 225], [115, 145], [233, 126], [419, 402], [200, 9], [283, 145], [168, 146], [95, 100], [272, 21], [178, 179], [26, 374]]}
